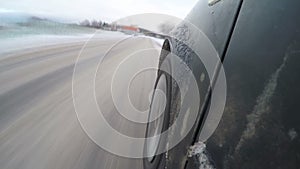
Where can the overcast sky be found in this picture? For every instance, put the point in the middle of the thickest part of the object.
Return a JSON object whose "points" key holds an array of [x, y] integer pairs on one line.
{"points": [[108, 10]]}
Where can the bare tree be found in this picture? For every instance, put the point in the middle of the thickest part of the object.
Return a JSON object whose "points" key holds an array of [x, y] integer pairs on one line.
{"points": [[166, 27], [85, 23], [95, 24]]}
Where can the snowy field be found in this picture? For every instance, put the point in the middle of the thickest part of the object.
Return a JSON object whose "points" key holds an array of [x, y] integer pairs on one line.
{"points": [[21, 31]]}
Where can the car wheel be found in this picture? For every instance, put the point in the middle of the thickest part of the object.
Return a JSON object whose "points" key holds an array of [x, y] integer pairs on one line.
{"points": [[160, 103]]}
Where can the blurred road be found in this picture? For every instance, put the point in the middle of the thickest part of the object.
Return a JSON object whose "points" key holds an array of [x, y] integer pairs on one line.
{"points": [[39, 128]]}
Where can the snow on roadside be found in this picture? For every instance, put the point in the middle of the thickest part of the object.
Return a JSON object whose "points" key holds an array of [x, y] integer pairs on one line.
{"points": [[9, 45]]}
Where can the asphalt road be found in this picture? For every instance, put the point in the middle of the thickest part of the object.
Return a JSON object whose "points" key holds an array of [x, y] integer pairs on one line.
{"points": [[39, 128]]}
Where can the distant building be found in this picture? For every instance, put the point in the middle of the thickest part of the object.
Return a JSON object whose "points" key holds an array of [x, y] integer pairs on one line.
{"points": [[128, 29]]}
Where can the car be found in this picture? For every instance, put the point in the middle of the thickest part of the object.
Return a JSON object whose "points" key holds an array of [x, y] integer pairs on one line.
{"points": [[258, 47]]}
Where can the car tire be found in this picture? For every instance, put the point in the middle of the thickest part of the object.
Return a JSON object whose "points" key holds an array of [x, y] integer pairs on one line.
{"points": [[159, 161]]}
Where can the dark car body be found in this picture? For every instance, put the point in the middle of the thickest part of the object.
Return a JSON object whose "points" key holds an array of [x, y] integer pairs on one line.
{"points": [[258, 43]]}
